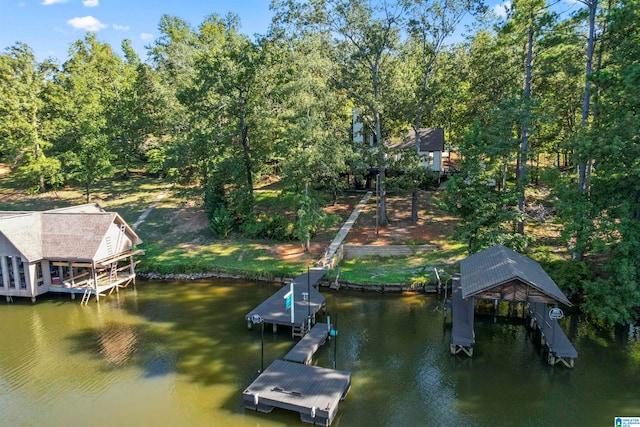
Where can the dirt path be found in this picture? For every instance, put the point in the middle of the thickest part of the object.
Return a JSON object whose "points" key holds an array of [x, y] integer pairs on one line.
{"points": [[433, 225], [147, 211]]}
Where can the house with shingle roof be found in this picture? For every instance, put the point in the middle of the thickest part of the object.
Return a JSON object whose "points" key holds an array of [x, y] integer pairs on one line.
{"points": [[79, 249], [429, 146]]}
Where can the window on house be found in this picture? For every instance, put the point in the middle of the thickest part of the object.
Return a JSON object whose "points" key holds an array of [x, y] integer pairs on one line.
{"points": [[39, 277], [54, 272], [12, 283], [22, 273]]}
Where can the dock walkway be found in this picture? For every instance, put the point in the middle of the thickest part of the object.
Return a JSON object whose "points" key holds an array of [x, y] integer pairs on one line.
{"points": [[462, 318], [308, 345], [559, 348], [274, 311], [312, 391]]}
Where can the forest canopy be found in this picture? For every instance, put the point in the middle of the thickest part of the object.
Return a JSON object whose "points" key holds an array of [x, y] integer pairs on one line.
{"points": [[537, 101]]}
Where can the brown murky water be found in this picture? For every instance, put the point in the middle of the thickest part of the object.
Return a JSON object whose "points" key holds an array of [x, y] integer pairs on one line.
{"points": [[179, 354]]}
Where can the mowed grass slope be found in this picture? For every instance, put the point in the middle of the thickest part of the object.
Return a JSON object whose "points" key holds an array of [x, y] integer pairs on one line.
{"points": [[177, 239]]}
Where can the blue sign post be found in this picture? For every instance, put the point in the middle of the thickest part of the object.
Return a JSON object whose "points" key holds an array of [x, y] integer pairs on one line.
{"points": [[288, 302]]}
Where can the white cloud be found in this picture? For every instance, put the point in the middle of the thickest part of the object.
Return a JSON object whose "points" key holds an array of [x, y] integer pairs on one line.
{"points": [[90, 3], [502, 9], [50, 2], [87, 23], [146, 36], [120, 27]]}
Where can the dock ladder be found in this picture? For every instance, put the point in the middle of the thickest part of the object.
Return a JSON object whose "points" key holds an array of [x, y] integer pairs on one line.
{"points": [[86, 296], [113, 273], [299, 330]]}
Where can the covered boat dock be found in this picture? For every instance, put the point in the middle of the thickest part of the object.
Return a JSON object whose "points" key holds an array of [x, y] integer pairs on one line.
{"points": [[501, 274]]}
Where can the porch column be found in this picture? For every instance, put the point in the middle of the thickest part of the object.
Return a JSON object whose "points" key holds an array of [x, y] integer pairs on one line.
{"points": [[95, 280], [30, 277], [71, 280]]}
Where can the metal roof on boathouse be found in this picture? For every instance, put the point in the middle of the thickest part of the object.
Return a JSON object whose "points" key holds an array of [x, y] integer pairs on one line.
{"points": [[498, 266]]}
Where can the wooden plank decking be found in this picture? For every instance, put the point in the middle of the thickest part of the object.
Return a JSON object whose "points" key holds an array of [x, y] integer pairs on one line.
{"points": [[462, 318], [312, 391], [273, 309], [87, 289], [304, 350], [559, 348]]}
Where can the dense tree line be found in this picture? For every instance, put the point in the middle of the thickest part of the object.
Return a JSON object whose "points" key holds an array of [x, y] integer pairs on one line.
{"points": [[535, 99]]}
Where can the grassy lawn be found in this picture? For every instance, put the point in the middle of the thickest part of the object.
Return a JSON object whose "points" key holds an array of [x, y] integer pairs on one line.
{"points": [[127, 197], [416, 269], [177, 238]]}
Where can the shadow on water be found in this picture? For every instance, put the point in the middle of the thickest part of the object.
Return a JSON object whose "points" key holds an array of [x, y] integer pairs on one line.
{"points": [[397, 348], [185, 329]]}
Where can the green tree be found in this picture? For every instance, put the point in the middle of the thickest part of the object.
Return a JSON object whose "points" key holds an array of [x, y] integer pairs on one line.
{"points": [[86, 88], [137, 121], [223, 102], [615, 188], [23, 135], [367, 36]]}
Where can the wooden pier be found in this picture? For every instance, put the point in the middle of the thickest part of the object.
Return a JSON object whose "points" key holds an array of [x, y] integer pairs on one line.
{"points": [[307, 301], [312, 391], [308, 345], [462, 318], [552, 337]]}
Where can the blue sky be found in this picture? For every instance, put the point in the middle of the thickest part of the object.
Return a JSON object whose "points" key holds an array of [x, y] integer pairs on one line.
{"points": [[50, 26]]}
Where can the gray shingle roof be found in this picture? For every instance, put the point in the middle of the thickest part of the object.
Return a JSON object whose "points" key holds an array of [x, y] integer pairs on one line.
{"points": [[74, 235], [68, 233], [430, 140], [24, 232], [499, 265]]}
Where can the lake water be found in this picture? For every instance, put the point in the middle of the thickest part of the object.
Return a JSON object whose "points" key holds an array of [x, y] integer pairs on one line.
{"points": [[179, 354]]}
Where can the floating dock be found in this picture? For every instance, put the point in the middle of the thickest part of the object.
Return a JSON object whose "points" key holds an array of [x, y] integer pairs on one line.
{"points": [[308, 345], [275, 312], [462, 318], [312, 391], [559, 348]]}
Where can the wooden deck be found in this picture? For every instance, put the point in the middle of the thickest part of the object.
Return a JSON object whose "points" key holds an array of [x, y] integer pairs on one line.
{"points": [[273, 310], [559, 348], [304, 350], [86, 287], [312, 391], [462, 318]]}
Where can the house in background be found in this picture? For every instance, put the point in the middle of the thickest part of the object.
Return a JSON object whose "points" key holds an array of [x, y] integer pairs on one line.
{"points": [[80, 249], [430, 147]]}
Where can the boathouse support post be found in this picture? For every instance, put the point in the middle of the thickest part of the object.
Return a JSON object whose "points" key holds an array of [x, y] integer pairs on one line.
{"points": [[95, 280], [262, 347], [71, 279]]}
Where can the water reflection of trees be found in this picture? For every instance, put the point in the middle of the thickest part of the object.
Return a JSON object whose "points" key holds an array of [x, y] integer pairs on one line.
{"points": [[117, 343]]}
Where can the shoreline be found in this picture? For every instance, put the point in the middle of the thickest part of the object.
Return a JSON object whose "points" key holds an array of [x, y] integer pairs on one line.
{"points": [[395, 288]]}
